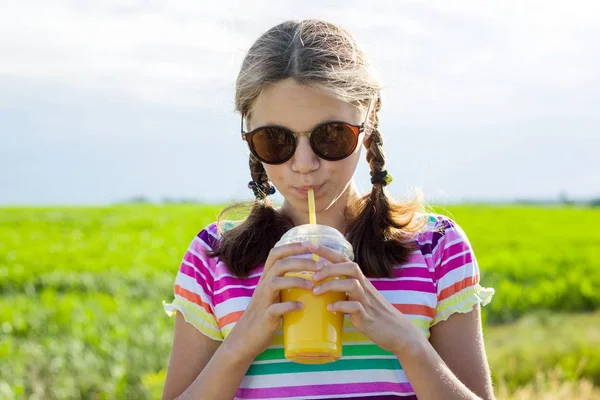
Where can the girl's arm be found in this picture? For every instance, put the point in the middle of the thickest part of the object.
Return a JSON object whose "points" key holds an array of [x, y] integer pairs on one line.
{"points": [[453, 365], [202, 368]]}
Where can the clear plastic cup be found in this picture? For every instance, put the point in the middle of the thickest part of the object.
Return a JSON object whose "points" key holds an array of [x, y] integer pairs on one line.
{"points": [[313, 335]]}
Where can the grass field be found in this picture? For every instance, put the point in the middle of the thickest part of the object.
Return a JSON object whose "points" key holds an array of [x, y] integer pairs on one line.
{"points": [[81, 292]]}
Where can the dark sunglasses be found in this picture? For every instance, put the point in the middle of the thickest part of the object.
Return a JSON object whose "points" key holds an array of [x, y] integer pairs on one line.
{"points": [[331, 141]]}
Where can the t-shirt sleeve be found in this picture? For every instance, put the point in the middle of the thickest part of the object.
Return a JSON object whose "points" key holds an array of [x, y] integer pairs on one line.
{"points": [[456, 273], [193, 288]]}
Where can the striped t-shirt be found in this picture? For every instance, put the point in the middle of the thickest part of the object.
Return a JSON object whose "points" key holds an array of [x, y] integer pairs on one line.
{"points": [[439, 279]]}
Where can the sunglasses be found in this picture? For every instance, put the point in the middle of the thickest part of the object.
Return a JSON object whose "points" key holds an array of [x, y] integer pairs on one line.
{"points": [[331, 141]]}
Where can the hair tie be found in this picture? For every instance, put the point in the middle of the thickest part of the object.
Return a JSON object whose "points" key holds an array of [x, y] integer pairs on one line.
{"points": [[261, 189], [383, 177]]}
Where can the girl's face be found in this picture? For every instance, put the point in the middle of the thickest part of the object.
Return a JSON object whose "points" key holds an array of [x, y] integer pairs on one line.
{"points": [[301, 108]]}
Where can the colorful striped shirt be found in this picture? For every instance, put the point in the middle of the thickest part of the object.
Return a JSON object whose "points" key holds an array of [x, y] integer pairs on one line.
{"points": [[439, 279]]}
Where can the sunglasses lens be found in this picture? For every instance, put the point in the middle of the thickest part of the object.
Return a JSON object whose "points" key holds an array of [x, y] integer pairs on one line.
{"points": [[272, 144], [334, 141]]}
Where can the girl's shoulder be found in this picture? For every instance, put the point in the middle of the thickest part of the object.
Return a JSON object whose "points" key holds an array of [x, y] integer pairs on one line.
{"points": [[434, 223], [213, 232]]}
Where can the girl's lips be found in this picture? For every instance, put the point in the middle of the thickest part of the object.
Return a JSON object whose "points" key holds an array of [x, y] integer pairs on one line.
{"points": [[303, 191]]}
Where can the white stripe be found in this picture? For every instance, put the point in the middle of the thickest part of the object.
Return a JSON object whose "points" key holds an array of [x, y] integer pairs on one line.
{"points": [[190, 284], [232, 305], [318, 378], [409, 297], [456, 275], [345, 358], [199, 272]]}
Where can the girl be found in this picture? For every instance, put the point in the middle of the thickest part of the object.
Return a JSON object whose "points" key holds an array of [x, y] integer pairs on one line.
{"points": [[309, 101]]}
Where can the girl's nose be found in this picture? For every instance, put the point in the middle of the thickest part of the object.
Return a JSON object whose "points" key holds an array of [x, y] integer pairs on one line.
{"points": [[304, 159]]}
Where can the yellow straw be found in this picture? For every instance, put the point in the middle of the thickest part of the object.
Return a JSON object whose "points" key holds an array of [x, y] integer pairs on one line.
{"points": [[312, 215]]}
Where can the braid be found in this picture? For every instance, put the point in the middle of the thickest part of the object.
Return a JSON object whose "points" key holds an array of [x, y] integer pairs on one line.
{"points": [[259, 175], [374, 144]]}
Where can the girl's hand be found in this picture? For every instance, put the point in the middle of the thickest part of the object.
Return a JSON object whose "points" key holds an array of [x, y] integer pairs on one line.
{"points": [[253, 332], [370, 313]]}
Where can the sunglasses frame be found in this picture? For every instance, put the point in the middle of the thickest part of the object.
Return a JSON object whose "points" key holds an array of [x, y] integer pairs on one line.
{"points": [[356, 129]]}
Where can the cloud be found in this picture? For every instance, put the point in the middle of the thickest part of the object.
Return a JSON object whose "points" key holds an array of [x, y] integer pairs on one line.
{"points": [[187, 54]]}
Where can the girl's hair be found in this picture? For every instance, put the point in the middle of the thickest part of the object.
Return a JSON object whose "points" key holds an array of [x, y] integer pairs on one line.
{"points": [[324, 56]]}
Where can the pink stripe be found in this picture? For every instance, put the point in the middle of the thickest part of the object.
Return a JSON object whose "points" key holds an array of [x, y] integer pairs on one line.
{"points": [[232, 293], [454, 264], [413, 272], [456, 248], [225, 281], [416, 286], [192, 273], [196, 262], [324, 390]]}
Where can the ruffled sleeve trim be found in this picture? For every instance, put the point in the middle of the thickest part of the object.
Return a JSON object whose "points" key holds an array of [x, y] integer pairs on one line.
{"points": [[463, 302], [197, 316]]}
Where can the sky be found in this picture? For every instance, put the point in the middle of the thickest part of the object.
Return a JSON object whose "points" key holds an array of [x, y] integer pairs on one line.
{"points": [[101, 102]]}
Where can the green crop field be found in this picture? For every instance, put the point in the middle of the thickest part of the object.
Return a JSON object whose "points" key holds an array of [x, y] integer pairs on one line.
{"points": [[82, 289]]}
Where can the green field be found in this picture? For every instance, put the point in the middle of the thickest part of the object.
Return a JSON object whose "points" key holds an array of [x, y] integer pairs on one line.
{"points": [[81, 292]]}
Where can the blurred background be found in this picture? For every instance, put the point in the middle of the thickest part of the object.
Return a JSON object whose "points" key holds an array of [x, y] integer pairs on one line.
{"points": [[110, 112]]}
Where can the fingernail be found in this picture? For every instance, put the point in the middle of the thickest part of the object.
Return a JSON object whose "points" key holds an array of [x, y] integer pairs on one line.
{"points": [[313, 246], [308, 284], [317, 289], [317, 277], [329, 307]]}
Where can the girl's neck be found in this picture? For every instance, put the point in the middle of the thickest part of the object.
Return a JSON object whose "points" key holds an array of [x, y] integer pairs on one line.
{"points": [[335, 216]]}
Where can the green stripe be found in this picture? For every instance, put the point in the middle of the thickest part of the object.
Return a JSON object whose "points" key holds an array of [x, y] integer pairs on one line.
{"points": [[341, 365], [347, 351]]}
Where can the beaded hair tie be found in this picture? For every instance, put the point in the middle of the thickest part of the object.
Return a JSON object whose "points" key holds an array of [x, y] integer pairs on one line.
{"points": [[261, 189], [384, 178]]}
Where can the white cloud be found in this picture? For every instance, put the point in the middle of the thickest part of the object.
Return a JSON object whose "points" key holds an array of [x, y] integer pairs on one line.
{"points": [[453, 59]]}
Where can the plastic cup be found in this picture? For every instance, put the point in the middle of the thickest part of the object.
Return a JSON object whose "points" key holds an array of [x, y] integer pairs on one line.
{"points": [[313, 335]]}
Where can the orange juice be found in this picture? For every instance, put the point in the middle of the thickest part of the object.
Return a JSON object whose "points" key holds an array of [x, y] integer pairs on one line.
{"points": [[312, 335]]}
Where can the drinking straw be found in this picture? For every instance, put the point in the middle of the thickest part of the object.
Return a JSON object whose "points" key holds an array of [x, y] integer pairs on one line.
{"points": [[312, 215]]}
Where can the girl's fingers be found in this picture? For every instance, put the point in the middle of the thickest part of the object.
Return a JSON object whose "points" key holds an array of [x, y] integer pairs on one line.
{"points": [[327, 253], [281, 267], [278, 253], [278, 309], [347, 269], [350, 286], [347, 307], [281, 283]]}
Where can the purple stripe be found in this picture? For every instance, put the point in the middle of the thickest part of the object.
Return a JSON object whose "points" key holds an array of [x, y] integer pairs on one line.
{"points": [[323, 390], [207, 237], [416, 286], [192, 273]]}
